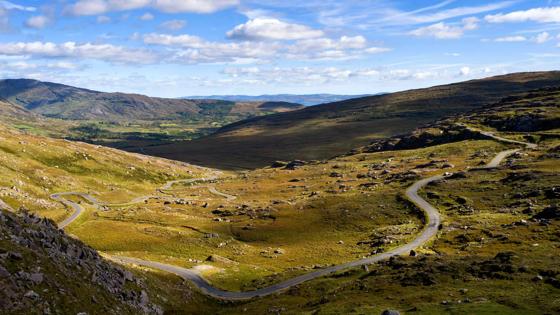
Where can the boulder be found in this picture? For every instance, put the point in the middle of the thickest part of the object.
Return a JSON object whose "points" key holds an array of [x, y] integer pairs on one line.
{"points": [[295, 164], [219, 259], [278, 164], [390, 312], [549, 213]]}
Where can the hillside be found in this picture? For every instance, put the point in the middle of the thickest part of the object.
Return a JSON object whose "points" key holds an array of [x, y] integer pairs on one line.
{"points": [[250, 230], [304, 99], [8, 110], [40, 267], [323, 131], [67, 102]]}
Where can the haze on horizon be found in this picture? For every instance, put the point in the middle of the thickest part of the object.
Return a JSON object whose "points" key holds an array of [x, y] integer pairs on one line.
{"points": [[177, 48]]}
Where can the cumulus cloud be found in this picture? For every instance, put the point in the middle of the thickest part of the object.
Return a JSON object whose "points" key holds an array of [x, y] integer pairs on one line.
{"points": [[511, 39], [106, 52], [539, 15], [147, 17], [443, 30], [38, 21], [173, 25], [543, 38], [196, 6], [346, 47], [95, 7], [439, 30], [272, 29], [465, 71], [200, 50], [197, 50], [322, 75]]}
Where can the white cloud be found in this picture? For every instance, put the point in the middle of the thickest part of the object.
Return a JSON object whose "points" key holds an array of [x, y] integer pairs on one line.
{"points": [[38, 21], [470, 23], [89, 7], [443, 30], [104, 52], [346, 47], [319, 75], [539, 15], [184, 40], [345, 42], [543, 38], [123, 5], [147, 17], [173, 25], [439, 30], [381, 15], [194, 49], [272, 29], [7, 5], [511, 39], [196, 6], [95, 7], [102, 19]]}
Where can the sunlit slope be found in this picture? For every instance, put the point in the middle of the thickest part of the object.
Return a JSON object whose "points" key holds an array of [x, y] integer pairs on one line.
{"points": [[34, 167], [68, 102]]}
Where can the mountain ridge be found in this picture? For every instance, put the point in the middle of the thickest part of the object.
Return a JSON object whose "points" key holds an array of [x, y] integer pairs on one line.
{"points": [[327, 130], [304, 99], [68, 102]]}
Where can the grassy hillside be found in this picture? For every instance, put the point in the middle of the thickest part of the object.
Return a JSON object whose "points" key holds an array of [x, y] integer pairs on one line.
{"points": [[116, 119], [328, 130], [67, 102], [34, 167], [500, 230]]}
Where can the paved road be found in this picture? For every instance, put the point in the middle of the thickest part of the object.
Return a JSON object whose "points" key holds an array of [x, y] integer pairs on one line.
{"points": [[78, 209], [431, 229], [433, 221]]}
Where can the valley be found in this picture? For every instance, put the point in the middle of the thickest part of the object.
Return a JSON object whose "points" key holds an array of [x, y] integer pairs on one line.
{"points": [[123, 121], [328, 236]]}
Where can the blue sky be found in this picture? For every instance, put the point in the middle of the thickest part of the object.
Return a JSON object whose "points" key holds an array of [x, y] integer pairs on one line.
{"points": [[174, 48]]}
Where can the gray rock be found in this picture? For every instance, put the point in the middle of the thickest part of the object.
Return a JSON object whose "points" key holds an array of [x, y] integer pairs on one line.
{"points": [[390, 312], [37, 278], [31, 295], [4, 273]]}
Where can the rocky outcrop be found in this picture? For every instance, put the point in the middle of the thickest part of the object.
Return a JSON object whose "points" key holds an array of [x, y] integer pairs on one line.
{"points": [[428, 136], [44, 271]]}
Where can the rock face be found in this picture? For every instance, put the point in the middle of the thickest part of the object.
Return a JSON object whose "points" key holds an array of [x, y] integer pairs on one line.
{"points": [[42, 270], [429, 136]]}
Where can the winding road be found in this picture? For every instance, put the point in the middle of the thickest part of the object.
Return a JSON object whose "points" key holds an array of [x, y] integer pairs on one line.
{"points": [[433, 222]]}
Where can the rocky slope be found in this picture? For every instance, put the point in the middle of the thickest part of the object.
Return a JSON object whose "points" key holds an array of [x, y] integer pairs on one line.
{"points": [[43, 271], [536, 111]]}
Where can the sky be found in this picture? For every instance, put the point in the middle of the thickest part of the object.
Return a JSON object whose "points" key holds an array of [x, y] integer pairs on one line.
{"points": [[174, 48]]}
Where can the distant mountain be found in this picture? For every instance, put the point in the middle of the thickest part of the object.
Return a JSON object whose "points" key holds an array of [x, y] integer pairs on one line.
{"points": [[8, 110], [307, 99], [67, 102], [323, 131]]}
